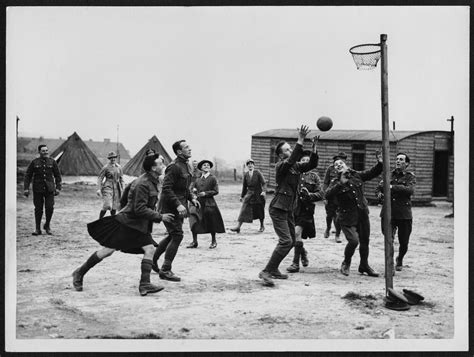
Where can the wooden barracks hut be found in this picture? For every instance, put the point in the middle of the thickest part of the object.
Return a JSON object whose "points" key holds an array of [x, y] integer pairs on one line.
{"points": [[430, 154]]}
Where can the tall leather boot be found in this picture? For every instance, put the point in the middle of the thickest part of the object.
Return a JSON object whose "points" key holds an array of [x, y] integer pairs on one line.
{"points": [[295, 266]]}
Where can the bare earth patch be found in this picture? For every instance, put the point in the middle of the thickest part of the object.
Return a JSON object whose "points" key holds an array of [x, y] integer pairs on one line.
{"points": [[220, 295]]}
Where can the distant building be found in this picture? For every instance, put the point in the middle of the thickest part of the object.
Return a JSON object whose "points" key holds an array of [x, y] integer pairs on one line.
{"points": [[27, 148], [429, 151]]}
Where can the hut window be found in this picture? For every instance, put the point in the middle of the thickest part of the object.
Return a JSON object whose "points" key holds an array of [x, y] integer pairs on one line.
{"points": [[273, 156], [358, 157]]}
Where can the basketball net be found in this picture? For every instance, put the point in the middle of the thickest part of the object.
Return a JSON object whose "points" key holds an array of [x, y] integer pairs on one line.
{"points": [[366, 56]]}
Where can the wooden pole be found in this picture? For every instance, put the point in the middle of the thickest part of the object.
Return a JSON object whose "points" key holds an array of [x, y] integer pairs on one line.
{"points": [[387, 217], [118, 153]]}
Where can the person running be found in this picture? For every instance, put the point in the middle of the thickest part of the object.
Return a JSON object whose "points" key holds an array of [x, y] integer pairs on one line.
{"points": [[110, 182], [402, 187], [331, 205], [174, 199], [210, 218], [44, 173], [353, 211], [254, 189], [309, 193], [130, 230], [287, 176]]}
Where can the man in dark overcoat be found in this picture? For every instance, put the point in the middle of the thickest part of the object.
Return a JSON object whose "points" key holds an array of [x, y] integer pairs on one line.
{"points": [[353, 211], [283, 204], [174, 199], [402, 187], [44, 173]]}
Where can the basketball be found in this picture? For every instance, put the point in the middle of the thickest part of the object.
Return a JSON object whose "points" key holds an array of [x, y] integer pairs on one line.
{"points": [[324, 123]]}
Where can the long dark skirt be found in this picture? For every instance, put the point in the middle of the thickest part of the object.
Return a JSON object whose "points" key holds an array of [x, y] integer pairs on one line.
{"points": [[110, 233], [252, 208], [209, 221], [304, 217]]}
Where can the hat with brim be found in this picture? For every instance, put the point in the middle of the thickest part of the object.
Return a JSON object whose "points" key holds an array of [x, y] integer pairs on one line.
{"points": [[342, 155], [249, 161], [395, 304], [306, 153], [396, 301], [412, 297], [111, 155], [202, 162]]}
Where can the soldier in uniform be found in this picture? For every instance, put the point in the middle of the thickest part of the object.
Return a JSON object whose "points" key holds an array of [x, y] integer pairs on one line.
{"points": [[331, 205], [44, 173], [110, 182], [130, 230], [353, 211], [282, 206], [309, 193], [174, 199], [402, 186]]}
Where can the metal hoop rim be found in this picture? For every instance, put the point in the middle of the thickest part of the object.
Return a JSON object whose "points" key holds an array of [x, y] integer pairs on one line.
{"points": [[351, 50]]}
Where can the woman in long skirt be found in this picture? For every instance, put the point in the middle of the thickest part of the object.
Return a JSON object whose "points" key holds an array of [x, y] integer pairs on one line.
{"points": [[110, 182], [208, 218], [253, 198]]}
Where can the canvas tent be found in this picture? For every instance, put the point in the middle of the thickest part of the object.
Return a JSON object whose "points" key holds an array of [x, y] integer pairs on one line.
{"points": [[134, 166], [74, 158]]}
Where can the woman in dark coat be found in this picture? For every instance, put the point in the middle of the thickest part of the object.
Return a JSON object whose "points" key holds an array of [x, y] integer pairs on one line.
{"points": [[208, 218], [253, 198]]}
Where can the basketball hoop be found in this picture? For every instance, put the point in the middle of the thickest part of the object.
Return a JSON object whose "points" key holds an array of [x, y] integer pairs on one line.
{"points": [[366, 56]]}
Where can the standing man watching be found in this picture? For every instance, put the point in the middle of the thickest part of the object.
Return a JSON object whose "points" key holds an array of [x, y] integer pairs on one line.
{"points": [[331, 205], [174, 199], [402, 187], [44, 173], [287, 177], [353, 211]]}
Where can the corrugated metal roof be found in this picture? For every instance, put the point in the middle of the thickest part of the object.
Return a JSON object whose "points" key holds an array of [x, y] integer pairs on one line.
{"points": [[340, 135]]}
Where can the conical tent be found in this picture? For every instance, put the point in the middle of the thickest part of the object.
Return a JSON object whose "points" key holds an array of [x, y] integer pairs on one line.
{"points": [[134, 166], [74, 158]]}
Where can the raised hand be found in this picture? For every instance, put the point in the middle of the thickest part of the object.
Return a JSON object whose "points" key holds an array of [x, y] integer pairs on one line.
{"points": [[315, 140], [303, 131]]}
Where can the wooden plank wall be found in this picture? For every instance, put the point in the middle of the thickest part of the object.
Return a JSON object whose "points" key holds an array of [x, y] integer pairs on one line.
{"points": [[451, 179], [419, 147]]}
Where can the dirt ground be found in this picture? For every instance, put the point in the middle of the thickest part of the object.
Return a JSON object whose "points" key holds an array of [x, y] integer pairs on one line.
{"points": [[220, 295]]}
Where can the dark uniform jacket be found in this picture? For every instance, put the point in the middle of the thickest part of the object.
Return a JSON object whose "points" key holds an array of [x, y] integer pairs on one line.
{"points": [[176, 185], [140, 211], [330, 174], [403, 187], [311, 181], [209, 186], [350, 196], [44, 172], [287, 178]]}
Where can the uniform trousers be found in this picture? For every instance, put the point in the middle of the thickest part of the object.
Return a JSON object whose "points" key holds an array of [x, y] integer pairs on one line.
{"points": [[404, 227], [170, 244], [284, 226], [41, 199], [355, 235]]}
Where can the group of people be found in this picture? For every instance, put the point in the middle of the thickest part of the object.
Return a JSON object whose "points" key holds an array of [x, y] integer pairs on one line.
{"points": [[170, 193]]}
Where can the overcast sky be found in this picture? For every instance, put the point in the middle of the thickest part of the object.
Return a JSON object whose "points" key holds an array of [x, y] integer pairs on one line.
{"points": [[215, 76]]}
